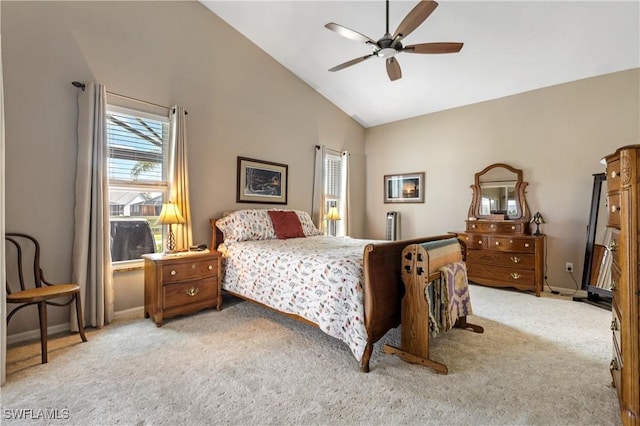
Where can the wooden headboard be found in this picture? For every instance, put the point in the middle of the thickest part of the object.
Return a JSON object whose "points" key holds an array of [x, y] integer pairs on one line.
{"points": [[216, 235]]}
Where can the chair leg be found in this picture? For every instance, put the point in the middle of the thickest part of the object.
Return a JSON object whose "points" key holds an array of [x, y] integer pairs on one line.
{"points": [[42, 313], [79, 315]]}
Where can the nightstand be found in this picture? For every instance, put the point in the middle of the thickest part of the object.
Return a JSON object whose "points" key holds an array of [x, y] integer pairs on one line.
{"points": [[181, 283]]}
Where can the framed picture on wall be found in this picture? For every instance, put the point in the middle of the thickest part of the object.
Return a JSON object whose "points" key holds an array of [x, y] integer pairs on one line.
{"points": [[261, 182], [404, 188]]}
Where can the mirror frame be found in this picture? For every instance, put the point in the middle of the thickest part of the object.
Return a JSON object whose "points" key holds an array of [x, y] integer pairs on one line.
{"points": [[523, 213]]}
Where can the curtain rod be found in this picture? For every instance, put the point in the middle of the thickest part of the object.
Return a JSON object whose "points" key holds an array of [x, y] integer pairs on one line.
{"points": [[83, 86]]}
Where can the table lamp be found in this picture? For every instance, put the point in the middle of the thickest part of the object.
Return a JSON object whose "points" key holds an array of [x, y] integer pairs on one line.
{"points": [[332, 216], [537, 219], [169, 215]]}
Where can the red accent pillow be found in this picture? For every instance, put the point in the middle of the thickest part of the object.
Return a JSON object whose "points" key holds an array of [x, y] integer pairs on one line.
{"points": [[286, 224]]}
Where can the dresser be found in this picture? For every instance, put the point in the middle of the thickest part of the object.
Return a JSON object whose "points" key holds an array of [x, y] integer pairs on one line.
{"points": [[623, 220], [498, 258], [179, 284], [499, 249]]}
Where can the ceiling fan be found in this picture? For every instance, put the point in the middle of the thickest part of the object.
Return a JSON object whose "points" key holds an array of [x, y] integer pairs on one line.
{"points": [[390, 45]]}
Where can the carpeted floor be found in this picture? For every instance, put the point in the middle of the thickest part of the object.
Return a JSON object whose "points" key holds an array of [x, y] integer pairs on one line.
{"points": [[541, 361]]}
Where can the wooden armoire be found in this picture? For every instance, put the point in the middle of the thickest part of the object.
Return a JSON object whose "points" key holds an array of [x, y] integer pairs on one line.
{"points": [[623, 197]]}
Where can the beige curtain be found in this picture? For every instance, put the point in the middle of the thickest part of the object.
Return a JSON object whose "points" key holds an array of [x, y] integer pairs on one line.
{"points": [[91, 258], [179, 177], [317, 203]]}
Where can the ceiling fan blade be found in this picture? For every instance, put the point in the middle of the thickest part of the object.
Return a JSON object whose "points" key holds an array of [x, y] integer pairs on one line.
{"points": [[416, 17], [433, 48], [348, 33], [393, 69], [349, 63]]}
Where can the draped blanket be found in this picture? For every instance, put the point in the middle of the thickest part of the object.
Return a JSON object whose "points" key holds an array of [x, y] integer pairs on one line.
{"points": [[448, 297]]}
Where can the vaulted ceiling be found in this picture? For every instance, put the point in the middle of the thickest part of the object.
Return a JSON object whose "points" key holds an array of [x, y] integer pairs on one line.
{"points": [[509, 47]]}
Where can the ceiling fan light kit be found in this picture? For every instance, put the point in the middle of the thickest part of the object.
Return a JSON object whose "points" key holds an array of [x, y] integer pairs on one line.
{"points": [[389, 46]]}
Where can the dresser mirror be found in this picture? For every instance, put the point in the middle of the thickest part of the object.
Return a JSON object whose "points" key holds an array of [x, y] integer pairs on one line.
{"points": [[498, 193], [594, 279]]}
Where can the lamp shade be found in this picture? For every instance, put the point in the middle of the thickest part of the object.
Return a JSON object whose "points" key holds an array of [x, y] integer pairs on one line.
{"points": [[537, 218], [333, 214], [170, 214]]}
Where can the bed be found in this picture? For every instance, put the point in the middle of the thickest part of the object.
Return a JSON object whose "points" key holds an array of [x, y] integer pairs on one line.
{"points": [[351, 289]]}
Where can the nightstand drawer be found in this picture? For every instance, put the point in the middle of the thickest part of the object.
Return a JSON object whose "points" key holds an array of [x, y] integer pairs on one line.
{"points": [[196, 268], [189, 292]]}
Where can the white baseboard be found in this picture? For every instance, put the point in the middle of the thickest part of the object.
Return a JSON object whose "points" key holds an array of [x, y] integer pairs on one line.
{"points": [[35, 334], [128, 313], [64, 328]]}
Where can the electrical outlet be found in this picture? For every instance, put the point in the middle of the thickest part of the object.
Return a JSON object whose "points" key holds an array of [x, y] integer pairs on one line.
{"points": [[568, 267]]}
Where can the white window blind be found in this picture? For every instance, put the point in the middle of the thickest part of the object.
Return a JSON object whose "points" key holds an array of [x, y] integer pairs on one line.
{"points": [[332, 175], [137, 146]]}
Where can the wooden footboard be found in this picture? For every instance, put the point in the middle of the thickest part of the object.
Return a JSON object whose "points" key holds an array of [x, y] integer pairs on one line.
{"points": [[383, 289]]}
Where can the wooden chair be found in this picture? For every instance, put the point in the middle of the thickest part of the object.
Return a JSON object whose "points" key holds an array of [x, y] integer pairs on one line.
{"points": [[27, 287]]}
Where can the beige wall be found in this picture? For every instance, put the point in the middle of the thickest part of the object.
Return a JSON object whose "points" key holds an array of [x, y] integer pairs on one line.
{"points": [[556, 135], [240, 101]]}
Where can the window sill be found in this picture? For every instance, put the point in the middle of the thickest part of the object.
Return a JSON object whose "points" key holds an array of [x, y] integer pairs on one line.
{"points": [[127, 266]]}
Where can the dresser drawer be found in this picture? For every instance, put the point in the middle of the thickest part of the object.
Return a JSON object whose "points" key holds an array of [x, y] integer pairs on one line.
{"points": [[615, 281], [614, 246], [613, 175], [499, 258], [475, 241], [613, 209], [190, 292], [496, 227], [616, 330], [504, 275], [525, 245], [174, 272]]}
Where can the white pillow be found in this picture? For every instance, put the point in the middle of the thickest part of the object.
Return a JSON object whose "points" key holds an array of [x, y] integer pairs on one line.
{"points": [[246, 225]]}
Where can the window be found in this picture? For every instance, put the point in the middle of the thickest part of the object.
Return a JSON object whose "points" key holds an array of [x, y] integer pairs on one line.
{"points": [[137, 145], [332, 172]]}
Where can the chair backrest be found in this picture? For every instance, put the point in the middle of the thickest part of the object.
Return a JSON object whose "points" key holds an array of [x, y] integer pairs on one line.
{"points": [[22, 262]]}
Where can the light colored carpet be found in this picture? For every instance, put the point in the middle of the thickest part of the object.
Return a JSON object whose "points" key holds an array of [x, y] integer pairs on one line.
{"points": [[540, 361]]}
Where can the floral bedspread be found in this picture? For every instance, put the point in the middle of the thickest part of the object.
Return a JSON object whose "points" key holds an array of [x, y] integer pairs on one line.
{"points": [[318, 278]]}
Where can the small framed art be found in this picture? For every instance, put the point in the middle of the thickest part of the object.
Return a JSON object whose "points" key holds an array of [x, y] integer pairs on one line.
{"points": [[404, 188], [261, 182]]}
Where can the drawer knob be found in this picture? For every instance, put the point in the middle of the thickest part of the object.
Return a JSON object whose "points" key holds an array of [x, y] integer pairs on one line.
{"points": [[516, 259], [615, 209], [210, 267], [515, 275], [614, 365], [612, 246], [192, 291], [473, 227], [614, 285], [479, 241], [497, 243], [526, 245], [614, 174], [614, 325], [173, 272], [513, 227]]}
